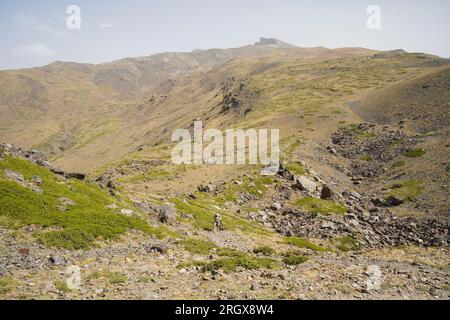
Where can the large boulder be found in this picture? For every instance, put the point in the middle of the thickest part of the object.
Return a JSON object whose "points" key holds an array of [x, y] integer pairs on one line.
{"points": [[127, 212], [15, 176], [390, 201], [66, 201], [36, 180], [73, 282], [52, 168], [326, 193], [105, 182], [270, 171], [167, 214], [155, 246], [76, 175], [304, 183], [209, 188]]}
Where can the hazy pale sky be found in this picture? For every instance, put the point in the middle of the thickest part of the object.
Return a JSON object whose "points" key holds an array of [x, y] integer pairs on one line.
{"points": [[35, 33]]}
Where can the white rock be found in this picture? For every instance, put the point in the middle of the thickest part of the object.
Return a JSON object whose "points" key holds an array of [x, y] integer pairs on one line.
{"points": [[127, 212], [270, 171], [374, 280], [306, 184], [73, 282]]}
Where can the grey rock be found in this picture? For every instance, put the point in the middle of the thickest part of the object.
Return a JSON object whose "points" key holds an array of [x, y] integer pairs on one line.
{"points": [[156, 246], [105, 181], [36, 180], [270, 171], [374, 278], [37, 190], [276, 206], [76, 175], [186, 216], [393, 201], [254, 287], [73, 282], [15, 176], [326, 193], [305, 184], [390, 201], [207, 189], [438, 241], [66, 202], [53, 169], [56, 260], [111, 184], [332, 150], [2, 271], [150, 295], [329, 225], [127, 212], [167, 214]]}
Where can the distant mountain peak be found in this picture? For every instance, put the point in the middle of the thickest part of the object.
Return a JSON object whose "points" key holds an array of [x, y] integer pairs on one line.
{"points": [[273, 42]]}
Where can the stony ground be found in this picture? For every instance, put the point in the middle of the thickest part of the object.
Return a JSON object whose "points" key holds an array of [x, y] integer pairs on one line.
{"points": [[127, 270], [367, 252]]}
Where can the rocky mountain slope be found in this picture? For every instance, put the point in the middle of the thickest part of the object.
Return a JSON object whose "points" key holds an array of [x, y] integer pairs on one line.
{"points": [[358, 209], [68, 109]]}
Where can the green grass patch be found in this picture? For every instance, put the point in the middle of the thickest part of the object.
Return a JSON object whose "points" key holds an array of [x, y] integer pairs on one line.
{"points": [[189, 264], [229, 252], [256, 186], [264, 250], [61, 285], [204, 218], [315, 205], [366, 158], [354, 127], [145, 279], [294, 258], [115, 278], [9, 223], [80, 226], [366, 135], [296, 168], [196, 246], [407, 190], [415, 153], [303, 243], [297, 143], [347, 244], [230, 264], [229, 260], [6, 285], [203, 209], [399, 164], [112, 277]]}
